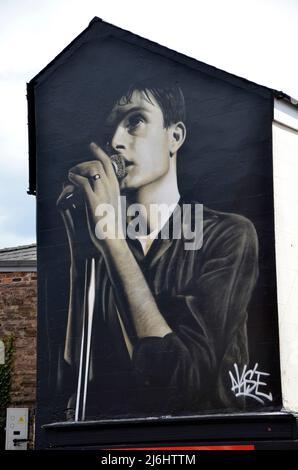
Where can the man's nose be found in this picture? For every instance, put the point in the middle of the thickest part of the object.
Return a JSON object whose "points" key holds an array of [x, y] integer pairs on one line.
{"points": [[118, 140]]}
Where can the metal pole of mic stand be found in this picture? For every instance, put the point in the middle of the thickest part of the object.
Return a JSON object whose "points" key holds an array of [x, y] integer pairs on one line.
{"points": [[88, 307]]}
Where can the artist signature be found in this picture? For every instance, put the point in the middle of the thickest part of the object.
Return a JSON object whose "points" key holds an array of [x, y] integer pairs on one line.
{"points": [[248, 383]]}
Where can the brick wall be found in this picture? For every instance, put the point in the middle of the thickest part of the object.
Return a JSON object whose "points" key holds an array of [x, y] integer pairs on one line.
{"points": [[18, 307]]}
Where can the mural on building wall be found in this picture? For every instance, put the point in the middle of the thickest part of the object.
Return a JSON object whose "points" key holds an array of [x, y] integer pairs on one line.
{"points": [[156, 238]]}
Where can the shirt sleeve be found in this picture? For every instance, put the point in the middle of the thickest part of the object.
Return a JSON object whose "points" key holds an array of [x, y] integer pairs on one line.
{"points": [[208, 322]]}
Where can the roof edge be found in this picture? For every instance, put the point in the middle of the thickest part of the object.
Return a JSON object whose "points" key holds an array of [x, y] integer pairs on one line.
{"points": [[18, 263], [16, 248], [280, 95], [96, 19]]}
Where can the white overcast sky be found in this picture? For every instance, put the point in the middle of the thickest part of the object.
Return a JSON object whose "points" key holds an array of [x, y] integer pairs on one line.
{"points": [[255, 39]]}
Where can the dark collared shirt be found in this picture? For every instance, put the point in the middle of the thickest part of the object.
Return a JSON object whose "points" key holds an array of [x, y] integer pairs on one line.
{"points": [[203, 295]]}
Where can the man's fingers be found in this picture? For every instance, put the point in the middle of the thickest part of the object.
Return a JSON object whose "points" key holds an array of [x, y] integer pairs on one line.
{"points": [[65, 196], [82, 182], [88, 169], [103, 158]]}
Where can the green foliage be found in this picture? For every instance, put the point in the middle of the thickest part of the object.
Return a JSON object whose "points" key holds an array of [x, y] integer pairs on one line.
{"points": [[5, 377]]}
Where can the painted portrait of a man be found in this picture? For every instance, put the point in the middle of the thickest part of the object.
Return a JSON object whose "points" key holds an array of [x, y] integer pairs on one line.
{"points": [[168, 321]]}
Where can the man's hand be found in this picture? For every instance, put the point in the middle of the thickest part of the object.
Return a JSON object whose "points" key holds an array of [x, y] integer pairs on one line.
{"points": [[123, 269], [99, 185], [75, 223]]}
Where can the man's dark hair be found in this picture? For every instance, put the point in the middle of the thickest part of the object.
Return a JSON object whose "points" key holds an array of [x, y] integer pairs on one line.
{"points": [[169, 97]]}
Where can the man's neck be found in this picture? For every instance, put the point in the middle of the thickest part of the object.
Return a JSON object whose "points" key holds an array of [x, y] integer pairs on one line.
{"points": [[162, 192]]}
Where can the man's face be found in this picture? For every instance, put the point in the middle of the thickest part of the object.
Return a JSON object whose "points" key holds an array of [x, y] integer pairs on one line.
{"points": [[140, 137]]}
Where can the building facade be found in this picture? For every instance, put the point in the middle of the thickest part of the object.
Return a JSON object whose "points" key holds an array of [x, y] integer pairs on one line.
{"points": [[18, 312]]}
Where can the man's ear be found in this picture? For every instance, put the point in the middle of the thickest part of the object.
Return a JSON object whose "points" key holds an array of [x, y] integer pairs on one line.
{"points": [[177, 134]]}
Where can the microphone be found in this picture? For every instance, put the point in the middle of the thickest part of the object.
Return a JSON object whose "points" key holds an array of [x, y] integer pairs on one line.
{"points": [[69, 199], [119, 166]]}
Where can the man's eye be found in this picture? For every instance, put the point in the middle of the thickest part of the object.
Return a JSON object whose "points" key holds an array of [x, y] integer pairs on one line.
{"points": [[134, 121]]}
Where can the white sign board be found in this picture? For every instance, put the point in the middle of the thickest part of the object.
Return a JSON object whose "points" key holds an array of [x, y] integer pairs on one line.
{"points": [[16, 429]]}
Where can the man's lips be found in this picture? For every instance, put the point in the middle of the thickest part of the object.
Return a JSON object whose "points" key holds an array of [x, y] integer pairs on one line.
{"points": [[127, 162]]}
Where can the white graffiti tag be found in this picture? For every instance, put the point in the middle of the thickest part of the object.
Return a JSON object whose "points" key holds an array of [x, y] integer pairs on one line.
{"points": [[247, 384]]}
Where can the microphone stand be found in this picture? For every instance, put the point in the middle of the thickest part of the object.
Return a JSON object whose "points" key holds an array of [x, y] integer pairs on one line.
{"points": [[84, 366]]}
